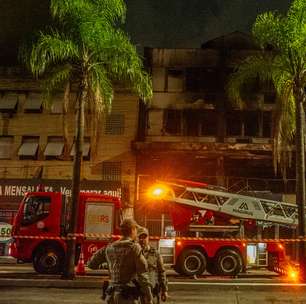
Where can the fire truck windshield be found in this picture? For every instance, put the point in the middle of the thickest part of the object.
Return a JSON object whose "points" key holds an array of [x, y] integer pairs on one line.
{"points": [[35, 209]]}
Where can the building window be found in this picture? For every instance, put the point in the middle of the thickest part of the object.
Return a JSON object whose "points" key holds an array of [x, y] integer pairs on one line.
{"points": [[86, 149], [29, 147], [172, 121], [208, 123], [6, 143], [242, 123], [201, 79], [233, 123], [269, 97], [267, 124], [57, 106], [54, 148], [175, 80], [8, 103], [114, 124], [33, 104], [191, 119], [111, 171], [250, 122]]}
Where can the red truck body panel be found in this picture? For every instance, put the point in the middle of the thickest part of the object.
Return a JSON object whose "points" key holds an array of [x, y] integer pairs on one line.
{"points": [[48, 228]]}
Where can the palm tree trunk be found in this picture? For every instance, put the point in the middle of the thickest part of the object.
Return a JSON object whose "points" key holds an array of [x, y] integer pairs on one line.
{"points": [[300, 178], [77, 163]]}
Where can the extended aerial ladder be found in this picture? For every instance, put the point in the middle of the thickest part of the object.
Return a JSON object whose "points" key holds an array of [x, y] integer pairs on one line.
{"points": [[216, 250], [214, 198]]}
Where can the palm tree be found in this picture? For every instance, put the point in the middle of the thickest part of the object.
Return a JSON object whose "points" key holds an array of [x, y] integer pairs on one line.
{"points": [[282, 62], [85, 49]]}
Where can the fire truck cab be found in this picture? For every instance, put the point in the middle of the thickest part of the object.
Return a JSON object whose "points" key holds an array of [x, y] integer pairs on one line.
{"points": [[40, 228]]}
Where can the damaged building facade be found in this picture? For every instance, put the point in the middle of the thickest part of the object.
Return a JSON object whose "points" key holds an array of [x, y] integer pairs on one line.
{"points": [[192, 131], [188, 131]]}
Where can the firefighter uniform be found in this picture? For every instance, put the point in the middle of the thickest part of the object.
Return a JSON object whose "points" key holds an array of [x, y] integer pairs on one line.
{"points": [[126, 263], [157, 272]]}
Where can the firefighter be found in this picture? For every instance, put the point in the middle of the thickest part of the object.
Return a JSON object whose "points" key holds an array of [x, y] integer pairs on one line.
{"points": [[156, 268], [125, 263]]}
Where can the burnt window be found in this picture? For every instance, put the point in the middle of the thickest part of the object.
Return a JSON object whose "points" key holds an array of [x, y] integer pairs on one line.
{"points": [[267, 124], [175, 80], [201, 79], [111, 171], [250, 120], [269, 97], [233, 123], [208, 122], [172, 121], [192, 122]]}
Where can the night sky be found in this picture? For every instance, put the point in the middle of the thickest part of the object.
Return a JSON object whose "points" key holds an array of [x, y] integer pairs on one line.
{"points": [[188, 23], [154, 23]]}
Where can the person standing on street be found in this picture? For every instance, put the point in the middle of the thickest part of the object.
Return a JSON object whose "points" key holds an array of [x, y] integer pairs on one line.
{"points": [[127, 267], [157, 273]]}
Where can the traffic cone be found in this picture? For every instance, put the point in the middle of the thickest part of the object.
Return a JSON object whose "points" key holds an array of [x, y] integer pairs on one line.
{"points": [[80, 268]]}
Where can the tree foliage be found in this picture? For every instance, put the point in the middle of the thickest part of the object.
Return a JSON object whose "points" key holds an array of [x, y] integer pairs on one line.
{"points": [[282, 61], [86, 42]]}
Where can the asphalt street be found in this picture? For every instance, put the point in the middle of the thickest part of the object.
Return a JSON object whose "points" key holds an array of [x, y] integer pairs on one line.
{"points": [[196, 293], [19, 284]]}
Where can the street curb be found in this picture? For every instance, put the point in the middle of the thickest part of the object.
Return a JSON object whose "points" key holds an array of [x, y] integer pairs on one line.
{"points": [[96, 283], [43, 283]]}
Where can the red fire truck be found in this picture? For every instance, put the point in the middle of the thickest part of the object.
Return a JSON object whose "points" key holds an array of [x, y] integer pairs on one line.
{"points": [[221, 255], [40, 227]]}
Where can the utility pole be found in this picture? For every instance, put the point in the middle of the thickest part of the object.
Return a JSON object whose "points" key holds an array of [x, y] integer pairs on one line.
{"points": [[300, 181]]}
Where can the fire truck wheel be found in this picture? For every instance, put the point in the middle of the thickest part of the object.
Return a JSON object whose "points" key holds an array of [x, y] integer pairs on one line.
{"points": [[228, 262], [48, 260], [192, 262]]}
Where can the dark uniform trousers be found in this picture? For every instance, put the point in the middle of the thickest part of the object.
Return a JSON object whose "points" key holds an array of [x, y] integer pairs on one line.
{"points": [[157, 273]]}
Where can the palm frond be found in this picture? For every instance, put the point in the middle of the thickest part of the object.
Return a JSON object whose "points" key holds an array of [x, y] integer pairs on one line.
{"points": [[55, 79], [62, 8], [126, 64], [101, 88], [284, 122], [51, 49], [268, 30], [253, 68], [114, 10]]}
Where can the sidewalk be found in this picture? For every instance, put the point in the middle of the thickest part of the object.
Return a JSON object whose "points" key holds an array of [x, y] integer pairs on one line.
{"points": [[7, 260], [94, 279]]}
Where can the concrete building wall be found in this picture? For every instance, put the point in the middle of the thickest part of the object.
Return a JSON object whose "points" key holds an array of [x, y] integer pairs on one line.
{"points": [[110, 160]]}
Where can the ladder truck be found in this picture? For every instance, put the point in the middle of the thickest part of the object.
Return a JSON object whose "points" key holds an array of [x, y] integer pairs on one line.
{"points": [[195, 254]]}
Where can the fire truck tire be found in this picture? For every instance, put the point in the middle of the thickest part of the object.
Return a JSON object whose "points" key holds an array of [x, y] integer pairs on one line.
{"points": [[192, 262], [48, 259], [228, 262]]}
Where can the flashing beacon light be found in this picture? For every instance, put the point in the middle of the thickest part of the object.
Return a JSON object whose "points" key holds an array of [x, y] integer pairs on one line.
{"points": [[293, 274], [158, 191], [280, 246]]}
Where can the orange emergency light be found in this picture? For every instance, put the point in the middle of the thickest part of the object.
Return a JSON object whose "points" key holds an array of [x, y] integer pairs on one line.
{"points": [[158, 191]]}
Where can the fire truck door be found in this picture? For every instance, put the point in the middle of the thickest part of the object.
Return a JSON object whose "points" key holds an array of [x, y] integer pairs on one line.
{"points": [[99, 219]]}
